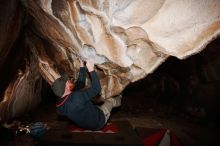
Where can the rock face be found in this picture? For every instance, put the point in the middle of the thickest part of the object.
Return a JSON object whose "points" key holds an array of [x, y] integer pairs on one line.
{"points": [[128, 39]]}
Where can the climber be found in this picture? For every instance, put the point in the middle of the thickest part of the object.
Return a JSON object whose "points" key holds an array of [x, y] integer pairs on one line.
{"points": [[75, 102]]}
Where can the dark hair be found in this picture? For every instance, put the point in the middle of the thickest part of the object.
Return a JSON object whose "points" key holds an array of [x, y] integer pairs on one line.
{"points": [[72, 79]]}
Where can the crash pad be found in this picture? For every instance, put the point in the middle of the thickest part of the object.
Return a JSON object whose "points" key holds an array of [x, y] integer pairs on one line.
{"points": [[117, 133], [158, 137]]}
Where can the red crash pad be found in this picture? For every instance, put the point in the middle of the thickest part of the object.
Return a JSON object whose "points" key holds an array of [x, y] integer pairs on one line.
{"points": [[156, 137], [117, 133]]}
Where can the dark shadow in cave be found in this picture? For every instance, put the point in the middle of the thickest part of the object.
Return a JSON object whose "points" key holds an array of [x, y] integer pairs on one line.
{"points": [[190, 86]]}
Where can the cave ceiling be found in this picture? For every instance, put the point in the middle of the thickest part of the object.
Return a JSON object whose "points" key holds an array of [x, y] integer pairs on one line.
{"points": [[129, 39]]}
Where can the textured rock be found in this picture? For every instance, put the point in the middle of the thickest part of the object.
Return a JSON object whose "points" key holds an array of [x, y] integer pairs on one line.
{"points": [[22, 94], [10, 26], [126, 43], [129, 39]]}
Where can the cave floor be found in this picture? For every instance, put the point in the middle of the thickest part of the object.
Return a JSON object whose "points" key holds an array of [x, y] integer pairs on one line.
{"points": [[190, 131]]}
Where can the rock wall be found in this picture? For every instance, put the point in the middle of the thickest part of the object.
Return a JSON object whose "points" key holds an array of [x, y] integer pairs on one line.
{"points": [[128, 39]]}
